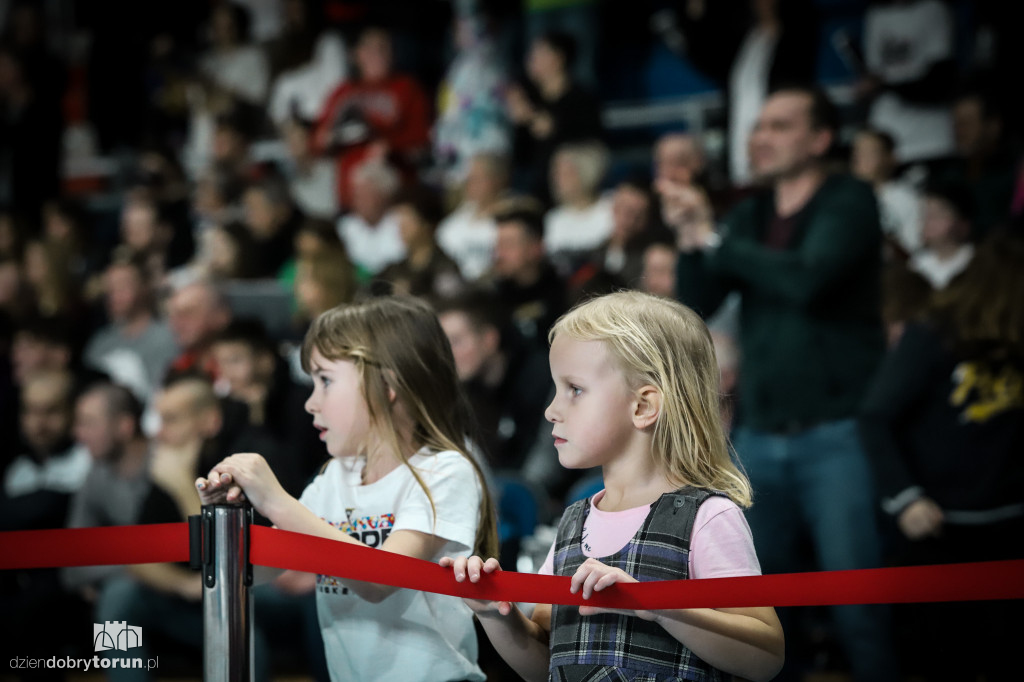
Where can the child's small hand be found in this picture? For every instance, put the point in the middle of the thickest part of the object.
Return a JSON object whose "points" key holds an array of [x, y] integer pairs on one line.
{"points": [[474, 567], [593, 576], [243, 475]]}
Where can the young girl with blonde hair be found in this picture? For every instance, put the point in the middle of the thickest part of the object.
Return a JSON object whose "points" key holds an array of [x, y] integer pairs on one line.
{"points": [[389, 408], [637, 393]]}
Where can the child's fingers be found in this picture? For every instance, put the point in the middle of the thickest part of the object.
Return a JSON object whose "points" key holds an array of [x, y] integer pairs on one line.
{"points": [[491, 565]]}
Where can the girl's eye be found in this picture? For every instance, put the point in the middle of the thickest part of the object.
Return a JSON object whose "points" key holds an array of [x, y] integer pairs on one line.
{"points": [[324, 381], [575, 390]]}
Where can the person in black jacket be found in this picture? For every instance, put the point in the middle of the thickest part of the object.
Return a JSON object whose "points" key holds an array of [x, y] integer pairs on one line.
{"points": [[944, 426]]}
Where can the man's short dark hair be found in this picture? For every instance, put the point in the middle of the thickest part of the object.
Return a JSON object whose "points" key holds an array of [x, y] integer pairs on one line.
{"points": [[249, 331], [823, 112], [482, 308], [524, 211], [423, 200], [120, 401], [52, 330], [887, 140], [956, 194]]}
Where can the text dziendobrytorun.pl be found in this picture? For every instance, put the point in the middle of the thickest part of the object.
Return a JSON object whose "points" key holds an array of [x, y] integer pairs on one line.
{"points": [[83, 664]]}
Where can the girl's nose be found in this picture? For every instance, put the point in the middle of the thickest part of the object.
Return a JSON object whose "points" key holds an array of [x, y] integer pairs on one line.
{"points": [[549, 412]]}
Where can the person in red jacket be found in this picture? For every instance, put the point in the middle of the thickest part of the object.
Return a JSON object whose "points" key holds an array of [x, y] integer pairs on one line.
{"points": [[380, 114]]}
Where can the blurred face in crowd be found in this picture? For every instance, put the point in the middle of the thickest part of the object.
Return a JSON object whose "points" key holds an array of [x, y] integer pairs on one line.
{"points": [[543, 61], [229, 145], [30, 355], [194, 316], [659, 274], [373, 56], [222, 25], [415, 232], [10, 283], [56, 224], [566, 184], [241, 366], [125, 292], [222, 251], [139, 225], [368, 201], [262, 216], [516, 251], [870, 161], [630, 211], [483, 184], [973, 133], [37, 263], [185, 416], [678, 159], [296, 140], [45, 412], [784, 142], [940, 225], [96, 428], [471, 347]]}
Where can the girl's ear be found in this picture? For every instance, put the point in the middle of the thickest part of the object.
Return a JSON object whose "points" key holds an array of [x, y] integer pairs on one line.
{"points": [[646, 407]]}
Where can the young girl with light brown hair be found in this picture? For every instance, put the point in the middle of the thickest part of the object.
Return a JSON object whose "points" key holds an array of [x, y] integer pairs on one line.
{"points": [[388, 404], [637, 394]]}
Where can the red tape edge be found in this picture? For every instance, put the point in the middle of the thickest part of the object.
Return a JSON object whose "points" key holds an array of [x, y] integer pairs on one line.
{"points": [[282, 549]]}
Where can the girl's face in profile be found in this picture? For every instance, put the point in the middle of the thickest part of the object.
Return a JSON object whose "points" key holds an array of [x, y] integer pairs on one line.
{"points": [[337, 405], [591, 413]]}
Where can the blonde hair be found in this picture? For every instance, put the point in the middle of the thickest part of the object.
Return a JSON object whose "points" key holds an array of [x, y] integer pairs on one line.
{"points": [[398, 343], [662, 343]]}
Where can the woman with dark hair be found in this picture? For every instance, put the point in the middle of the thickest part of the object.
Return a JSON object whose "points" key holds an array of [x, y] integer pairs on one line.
{"points": [[944, 424]]}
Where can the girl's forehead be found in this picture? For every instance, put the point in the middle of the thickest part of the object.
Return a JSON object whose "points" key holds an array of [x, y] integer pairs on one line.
{"points": [[576, 356]]}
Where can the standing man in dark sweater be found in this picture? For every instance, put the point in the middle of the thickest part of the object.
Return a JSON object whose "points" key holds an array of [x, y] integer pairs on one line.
{"points": [[804, 254]]}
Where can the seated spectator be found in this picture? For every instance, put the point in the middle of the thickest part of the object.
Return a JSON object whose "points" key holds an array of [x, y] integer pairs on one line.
{"points": [[946, 246], [370, 231], [549, 111], [36, 491], [40, 343], [506, 379], [215, 200], [308, 63], [467, 234], [680, 158], [271, 219], [620, 257], [322, 281], [50, 283], [313, 238], [379, 115], [252, 372], [471, 116], [581, 218], [135, 348], [145, 233], [107, 424], [311, 179], [899, 203], [659, 273], [196, 313], [229, 252], [944, 425], [426, 270], [65, 231], [524, 278], [984, 159]]}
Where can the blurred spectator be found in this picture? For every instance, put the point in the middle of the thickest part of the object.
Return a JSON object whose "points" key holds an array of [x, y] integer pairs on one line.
{"points": [[581, 218], [135, 348], [48, 275], [234, 67], [506, 378], [471, 111], [549, 111], [370, 231], [14, 298], [750, 47], [271, 219], [160, 172], [38, 484], [379, 116], [427, 270], [36, 492], [810, 242], [680, 158], [66, 232], [214, 200], [909, 54], [946, 246], [30, 135], [107, 424], [40, 343], [899, 203], [944, 423], [252, 372], [145, 233], [322, 281], [13, 232], [659, 273], [196, 313], [25, 31], [984, 158], [578, 19], [313, 238], [468, 233], [230, 252], [311, 180], [308, 63], [621, 256], [524, 278]]}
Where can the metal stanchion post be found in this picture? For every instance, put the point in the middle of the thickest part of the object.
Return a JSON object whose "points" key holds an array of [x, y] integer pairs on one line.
{"points": [[227, 597]]}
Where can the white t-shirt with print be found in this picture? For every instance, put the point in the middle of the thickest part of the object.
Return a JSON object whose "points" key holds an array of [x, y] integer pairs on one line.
{"points": [[411, 635]]}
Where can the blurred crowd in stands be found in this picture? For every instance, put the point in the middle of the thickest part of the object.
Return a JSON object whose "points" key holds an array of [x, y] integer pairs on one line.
{"points": [[185, 185]]}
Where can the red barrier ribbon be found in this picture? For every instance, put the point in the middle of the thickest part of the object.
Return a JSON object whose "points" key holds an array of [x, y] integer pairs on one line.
{"points": [[282, 549], [111, 545]]}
